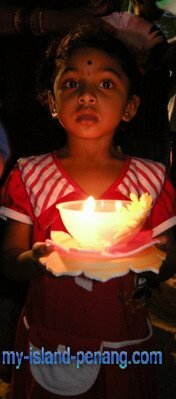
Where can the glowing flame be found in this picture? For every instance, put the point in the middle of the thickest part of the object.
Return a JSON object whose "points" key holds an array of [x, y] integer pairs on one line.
{"points": [[89, 205]]}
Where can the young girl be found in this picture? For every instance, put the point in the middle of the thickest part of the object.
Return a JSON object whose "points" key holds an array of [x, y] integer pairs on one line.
{"points": [[90, 83]]}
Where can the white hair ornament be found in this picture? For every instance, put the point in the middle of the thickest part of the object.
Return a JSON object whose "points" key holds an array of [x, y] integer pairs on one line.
{"points": [[139, 35]]}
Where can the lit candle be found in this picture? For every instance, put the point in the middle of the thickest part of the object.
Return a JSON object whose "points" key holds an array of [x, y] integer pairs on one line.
{"points": [[97, 224]]}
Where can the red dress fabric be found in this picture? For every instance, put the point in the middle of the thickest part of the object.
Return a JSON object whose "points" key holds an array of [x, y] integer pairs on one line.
{"points": [[58, 311]]}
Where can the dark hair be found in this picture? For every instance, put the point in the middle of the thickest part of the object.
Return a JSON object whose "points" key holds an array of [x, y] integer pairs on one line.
{"points": [[95, 37]]}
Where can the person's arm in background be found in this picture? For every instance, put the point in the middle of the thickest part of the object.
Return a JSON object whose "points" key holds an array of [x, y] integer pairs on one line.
{"points": [[38, 21]]}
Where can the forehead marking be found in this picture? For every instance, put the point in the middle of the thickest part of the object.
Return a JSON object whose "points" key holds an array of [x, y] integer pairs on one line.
{"points": [[89, 62]]}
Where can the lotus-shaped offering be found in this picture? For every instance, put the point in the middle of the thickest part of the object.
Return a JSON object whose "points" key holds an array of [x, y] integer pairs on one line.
{"points": [[98, 224]]}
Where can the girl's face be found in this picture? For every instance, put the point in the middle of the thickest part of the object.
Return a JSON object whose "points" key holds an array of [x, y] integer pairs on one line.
{"points": [[91, 94]]}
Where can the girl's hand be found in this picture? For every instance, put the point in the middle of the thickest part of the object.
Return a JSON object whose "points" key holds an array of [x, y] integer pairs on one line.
{"points": [[168, 268], [163, 241], [39, 250], [168, 245]]}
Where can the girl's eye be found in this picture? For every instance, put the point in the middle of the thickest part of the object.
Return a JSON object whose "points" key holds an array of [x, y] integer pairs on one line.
{"points": [[106, 84], [71, 84]]}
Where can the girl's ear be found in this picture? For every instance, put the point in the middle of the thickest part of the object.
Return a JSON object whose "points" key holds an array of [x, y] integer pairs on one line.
{"points": [[52, 105], [131, 108]]}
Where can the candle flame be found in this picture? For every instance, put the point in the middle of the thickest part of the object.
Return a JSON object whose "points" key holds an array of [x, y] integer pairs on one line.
{"points": [[89, 205]]}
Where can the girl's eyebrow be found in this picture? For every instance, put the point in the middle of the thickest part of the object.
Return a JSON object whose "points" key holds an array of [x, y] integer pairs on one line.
{"points": [[111, 70], [68, 69]]}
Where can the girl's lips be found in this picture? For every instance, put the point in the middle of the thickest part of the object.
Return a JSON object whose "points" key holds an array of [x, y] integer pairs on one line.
{"points": [[87, 118]]}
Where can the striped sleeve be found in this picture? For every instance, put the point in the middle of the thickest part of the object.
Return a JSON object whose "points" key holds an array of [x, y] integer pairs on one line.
{"points": [[163, 214], [43, 181], [146, 176], [15, 203]]}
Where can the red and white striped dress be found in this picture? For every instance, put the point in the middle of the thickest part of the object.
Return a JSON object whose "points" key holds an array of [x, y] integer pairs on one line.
{"points": [[63, 311]]}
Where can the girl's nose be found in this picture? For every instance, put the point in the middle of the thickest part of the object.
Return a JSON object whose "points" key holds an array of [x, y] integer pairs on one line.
{"points": [[87, 97]]}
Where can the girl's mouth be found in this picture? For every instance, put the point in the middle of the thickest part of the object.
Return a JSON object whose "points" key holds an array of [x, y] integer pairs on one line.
{"points": [[92, 118]]}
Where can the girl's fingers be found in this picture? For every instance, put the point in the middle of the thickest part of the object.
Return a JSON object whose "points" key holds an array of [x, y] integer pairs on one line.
{"points": [[163, 241], [41, 249]]}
